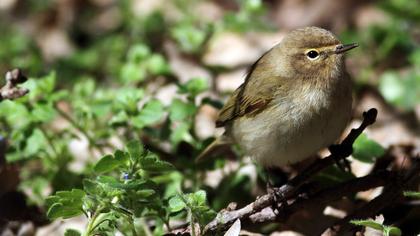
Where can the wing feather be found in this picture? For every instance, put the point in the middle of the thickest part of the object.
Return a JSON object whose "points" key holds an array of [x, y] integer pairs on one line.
{"points": [[252, 97]]}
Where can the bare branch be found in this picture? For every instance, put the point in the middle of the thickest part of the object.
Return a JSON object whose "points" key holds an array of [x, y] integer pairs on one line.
{"points": [[325, 196], [11, 90]]}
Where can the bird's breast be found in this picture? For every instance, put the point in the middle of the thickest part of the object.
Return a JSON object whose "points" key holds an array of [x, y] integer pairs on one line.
{"points": [[290, 130]]}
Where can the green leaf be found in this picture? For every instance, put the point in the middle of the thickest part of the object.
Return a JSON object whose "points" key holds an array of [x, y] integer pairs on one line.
{"points": [[135, 149], [16, 114], [58, 95], [196, 199], [127, 99], [86, 59], [172, 180], [35, 143], [123, 156], [197, 202], [368, 223], [157, 65], [51, 200], [401, 90], [138, 53], [107, 180], [195, 86], [112, 182], [412, 194], [120, 118], [73, 195], [85, 87], [176, 204], [90, 186], [131, 185], [367, 150], [145, 193], [150, 114], [392, 231], [132, 72], [206, 215], [179, 110], [252, 5], [189, 37], [65, 204], [72, 232], [333, 175], [415, 57], [200, 197], [43, 112], [152, 163], [41, 87], [107, 163], [181, 132], [391, 87], [58, 210]]}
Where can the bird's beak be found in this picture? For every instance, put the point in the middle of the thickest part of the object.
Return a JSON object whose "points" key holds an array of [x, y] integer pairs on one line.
{"points": [[344, 48]]}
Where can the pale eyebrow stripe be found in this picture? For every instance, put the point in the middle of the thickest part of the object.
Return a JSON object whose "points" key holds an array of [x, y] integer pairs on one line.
{"points": [[322, 50], [324, 47]]}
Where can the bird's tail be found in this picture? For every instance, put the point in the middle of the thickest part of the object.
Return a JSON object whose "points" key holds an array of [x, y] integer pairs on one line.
{"points": [[218, 146]]}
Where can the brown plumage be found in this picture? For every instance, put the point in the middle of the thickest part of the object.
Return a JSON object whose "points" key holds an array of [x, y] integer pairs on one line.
{"points": [[281, 113], [244, 101]]}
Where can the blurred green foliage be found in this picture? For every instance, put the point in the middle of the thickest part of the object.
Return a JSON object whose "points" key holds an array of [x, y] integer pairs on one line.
{"points": [[99, 93], [100, 96], [392, 52], [367, 150]]}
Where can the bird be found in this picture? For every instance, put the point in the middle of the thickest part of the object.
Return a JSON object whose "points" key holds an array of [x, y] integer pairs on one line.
{"points": [[295, 100]]}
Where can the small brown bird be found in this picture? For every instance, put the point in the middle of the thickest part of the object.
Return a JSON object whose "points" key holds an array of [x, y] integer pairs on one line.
{"points": [[296, 99]]}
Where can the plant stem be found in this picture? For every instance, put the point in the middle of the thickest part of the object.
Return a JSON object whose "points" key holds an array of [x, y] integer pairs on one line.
{"points": [[99, 223], [92, 221], [190, 219], [166, 221], [145, 227], [49, 140], [91, 140]]}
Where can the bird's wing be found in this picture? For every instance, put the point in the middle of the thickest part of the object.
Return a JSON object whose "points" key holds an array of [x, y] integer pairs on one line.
{"points": [[252, 97]]}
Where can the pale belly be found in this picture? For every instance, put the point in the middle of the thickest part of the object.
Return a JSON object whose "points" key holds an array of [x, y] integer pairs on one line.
{"points": [[285, 135]]}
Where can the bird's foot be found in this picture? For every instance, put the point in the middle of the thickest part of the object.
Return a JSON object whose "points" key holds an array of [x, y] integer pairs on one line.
{"points": [[279, 200]]}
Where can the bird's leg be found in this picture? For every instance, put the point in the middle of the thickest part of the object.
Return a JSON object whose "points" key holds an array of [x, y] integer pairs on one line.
{"points": [[275, 178], [340, 151], [279, 200]]}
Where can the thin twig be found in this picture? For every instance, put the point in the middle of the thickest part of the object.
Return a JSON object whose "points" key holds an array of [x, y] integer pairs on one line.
{"points": [[393, 190], [90, 139]]}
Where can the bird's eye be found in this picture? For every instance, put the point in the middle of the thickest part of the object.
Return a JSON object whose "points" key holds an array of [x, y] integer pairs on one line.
{"points": [[312, 54]]}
